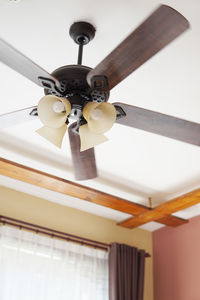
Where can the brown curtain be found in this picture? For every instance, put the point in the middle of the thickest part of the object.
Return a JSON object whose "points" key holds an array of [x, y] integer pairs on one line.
{"points": [[126, 272]]}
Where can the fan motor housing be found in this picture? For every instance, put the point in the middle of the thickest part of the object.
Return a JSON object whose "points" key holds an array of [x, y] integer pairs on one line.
{"points": [[74, 86]]}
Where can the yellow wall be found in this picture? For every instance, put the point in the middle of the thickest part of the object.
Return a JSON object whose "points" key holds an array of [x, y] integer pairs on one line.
{"points": [[42, 212]]}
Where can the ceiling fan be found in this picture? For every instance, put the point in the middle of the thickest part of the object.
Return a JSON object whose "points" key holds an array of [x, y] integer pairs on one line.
{"points": [[78, 94]]}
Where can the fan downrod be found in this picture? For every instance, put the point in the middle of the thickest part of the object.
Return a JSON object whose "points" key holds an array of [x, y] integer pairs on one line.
{"points": [[82, 33]]}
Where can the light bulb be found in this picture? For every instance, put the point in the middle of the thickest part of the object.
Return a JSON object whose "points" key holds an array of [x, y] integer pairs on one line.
{"points": [[96, 114], [58, 107]]}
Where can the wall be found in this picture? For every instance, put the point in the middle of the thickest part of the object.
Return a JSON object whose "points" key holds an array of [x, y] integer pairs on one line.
{"points": [[42, 212], [176, 253]]}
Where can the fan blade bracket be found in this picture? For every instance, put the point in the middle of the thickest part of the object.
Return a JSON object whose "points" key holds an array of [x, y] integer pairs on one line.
{"points": [[120, 112], [99, 83], [34, 112], [50, 86]]}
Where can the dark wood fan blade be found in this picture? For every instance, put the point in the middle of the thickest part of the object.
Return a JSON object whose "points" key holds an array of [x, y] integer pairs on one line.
{"points": [[22, 64], [162, 27], [84, 162], [178, 129], [17, 117]]}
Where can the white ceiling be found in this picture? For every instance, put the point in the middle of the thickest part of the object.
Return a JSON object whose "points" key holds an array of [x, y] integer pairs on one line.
{"points": [[134, 164]]}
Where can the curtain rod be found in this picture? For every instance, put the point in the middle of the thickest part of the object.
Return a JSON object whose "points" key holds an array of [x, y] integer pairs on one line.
{"points": [[54, 233]]}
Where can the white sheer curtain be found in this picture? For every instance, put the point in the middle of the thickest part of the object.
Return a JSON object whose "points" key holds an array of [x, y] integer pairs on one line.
{"points": [[35, 267]]}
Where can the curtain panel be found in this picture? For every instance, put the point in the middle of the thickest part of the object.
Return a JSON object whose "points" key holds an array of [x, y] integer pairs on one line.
{"points": [[126, 272], [36, 267]]}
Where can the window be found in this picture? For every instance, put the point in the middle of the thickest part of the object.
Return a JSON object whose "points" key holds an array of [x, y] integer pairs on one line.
{"points": [[36, 267]]}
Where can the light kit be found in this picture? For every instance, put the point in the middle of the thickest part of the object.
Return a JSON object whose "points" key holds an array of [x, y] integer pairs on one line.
{"points": [[53, 112]]}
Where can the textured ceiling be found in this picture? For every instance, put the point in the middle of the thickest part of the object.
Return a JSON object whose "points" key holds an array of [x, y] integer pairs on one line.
{"points": [[133, 164]]}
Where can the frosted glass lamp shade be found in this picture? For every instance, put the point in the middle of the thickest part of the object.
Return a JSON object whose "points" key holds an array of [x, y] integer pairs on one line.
{"points": [[50, 111], [90, 139], [99, 116], [53, 135]]}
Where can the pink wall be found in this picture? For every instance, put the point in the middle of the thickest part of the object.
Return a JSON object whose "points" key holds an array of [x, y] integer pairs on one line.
{"points": [[176, 255]]}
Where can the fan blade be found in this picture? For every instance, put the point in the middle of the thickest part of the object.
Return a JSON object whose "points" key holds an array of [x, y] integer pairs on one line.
{"points": [[178, 129], [162, 27], [17, 117], [84, 162], [23, 65]]}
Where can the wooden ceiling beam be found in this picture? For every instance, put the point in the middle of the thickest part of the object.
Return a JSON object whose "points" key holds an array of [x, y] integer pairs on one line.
{"points": [[162, 211], [56, 184]]}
